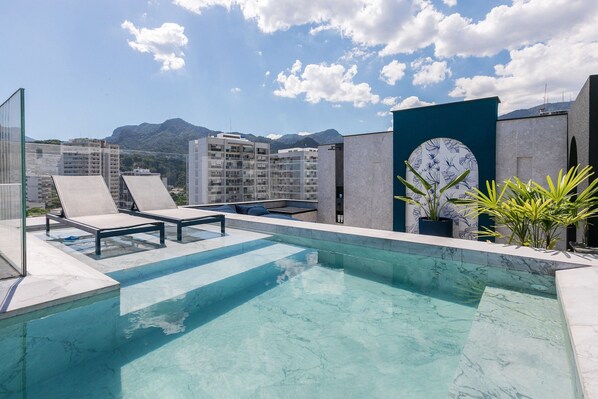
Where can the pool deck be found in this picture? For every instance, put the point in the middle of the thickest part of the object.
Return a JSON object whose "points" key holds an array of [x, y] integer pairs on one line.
{"points": [[53, 278], [577, 291], [61, 272]]}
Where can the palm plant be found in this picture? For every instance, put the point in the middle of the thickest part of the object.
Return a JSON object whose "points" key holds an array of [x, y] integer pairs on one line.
{"points": [[533, 213], [431, 197]]}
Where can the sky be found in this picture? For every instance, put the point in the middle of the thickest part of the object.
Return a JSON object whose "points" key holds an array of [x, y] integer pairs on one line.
{"points": [[273, 67]]}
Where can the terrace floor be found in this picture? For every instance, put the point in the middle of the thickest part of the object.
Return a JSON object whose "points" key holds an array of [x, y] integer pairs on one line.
{"points": [[6, 270]]}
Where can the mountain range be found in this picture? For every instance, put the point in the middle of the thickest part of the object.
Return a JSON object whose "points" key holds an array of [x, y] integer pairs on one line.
{"points": [[173, 136], [537, 110]]}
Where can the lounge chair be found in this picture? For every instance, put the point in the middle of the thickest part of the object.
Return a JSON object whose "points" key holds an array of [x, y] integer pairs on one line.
{"points": [[87, 205], [152, 200]]}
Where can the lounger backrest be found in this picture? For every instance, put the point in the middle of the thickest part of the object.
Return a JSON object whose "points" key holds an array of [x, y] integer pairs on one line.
{"points": [[84, 196], [149, 193]]}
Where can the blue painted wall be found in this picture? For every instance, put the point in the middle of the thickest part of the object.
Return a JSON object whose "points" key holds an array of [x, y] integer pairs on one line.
{"points": [[471, 122]]}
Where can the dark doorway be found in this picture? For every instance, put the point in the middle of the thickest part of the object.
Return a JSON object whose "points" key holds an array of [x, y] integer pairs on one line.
{"points": [[572, 230]]}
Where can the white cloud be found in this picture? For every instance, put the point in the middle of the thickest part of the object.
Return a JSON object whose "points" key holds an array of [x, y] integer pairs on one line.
{"points": [[392, 72], [390, 101], [525, 28], [404, 26], [304, 133], [410, 102], [429, 71], [273, 136], [563, 65], [394, 104], [296, 67], [267, 74], [331, 83], [401, 25], [357, 53], [235, 90], [197, 5], [522, 23], [165, 43], [416, 32]]}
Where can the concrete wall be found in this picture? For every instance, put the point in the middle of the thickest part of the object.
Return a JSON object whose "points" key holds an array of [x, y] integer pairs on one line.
{"points": [[531, 148], [369, 180], [579, 128], [579, 123], [326, 185]]}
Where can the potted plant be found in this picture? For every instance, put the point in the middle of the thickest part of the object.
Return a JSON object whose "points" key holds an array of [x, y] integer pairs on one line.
{"points": [[533, 215], [431, 199]]}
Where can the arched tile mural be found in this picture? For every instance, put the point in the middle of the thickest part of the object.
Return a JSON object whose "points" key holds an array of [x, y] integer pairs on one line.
{"points": [[440, 160]]}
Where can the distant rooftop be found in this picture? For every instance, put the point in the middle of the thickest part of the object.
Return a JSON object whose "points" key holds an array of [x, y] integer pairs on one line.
{"points": [[230, 136], [297, 149]]}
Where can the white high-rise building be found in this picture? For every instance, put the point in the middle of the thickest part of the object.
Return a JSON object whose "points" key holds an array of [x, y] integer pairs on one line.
{"points": [[227, 168], [85, 157], [39, 191], [293, 174]]}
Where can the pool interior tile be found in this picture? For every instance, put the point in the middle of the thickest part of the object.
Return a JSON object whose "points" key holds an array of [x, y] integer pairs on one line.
{"points": [[516, 348]]}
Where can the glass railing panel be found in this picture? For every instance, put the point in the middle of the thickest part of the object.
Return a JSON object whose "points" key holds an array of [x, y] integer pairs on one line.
{"points": [[12, 187]]}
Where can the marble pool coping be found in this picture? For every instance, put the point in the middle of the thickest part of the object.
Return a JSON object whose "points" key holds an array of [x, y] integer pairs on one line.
{"points": [[577, 290], [510, 257], [53, 278]]}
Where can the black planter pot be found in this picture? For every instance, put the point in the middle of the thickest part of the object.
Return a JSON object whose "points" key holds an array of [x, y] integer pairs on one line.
{"points": [[440, 228]]}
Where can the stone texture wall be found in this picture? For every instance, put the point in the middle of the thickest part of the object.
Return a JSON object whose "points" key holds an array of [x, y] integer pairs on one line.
{"points": [[531, 148], [369, 180]]}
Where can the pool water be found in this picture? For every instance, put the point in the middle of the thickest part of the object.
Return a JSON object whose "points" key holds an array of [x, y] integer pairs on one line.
{"points": [[285, 318]]}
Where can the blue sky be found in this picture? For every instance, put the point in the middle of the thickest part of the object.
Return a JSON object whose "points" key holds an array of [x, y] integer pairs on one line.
{"points": [[277, 67]]}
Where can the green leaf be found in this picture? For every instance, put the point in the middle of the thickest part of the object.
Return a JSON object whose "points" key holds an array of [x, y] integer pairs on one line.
{"points": [[407, 199], [411, 187], [419, 177]]}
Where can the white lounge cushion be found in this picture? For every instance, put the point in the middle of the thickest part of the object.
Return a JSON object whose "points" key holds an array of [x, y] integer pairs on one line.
{"points": [[180, 213], [113, 221], [149, 193], [84, 196]]}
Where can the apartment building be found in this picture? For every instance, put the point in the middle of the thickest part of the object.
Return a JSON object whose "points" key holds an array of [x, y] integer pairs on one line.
{"points": [[38, 191], [85, 157], [293, 174], [227, 168], [41, 162]]}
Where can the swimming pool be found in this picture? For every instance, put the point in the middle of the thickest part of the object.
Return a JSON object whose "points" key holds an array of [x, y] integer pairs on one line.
{"points": [[290, 317]]}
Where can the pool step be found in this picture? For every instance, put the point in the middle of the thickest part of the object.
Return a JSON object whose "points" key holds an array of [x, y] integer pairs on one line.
{"points": [[515, 349], [149, 292], [135, 275]]}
